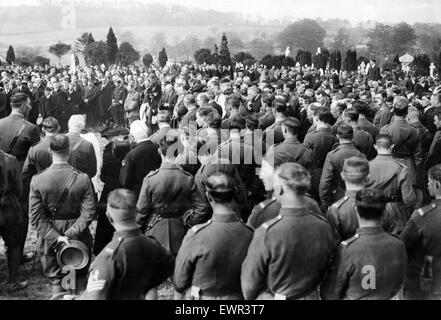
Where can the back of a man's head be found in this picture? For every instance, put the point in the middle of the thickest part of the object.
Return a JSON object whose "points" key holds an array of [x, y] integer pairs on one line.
{"points": [[355, 170], [138, 130], [50, 125], [18, 99], [60, 145], [121, 206], [163, 116], [76, 123], [345, 132], [370, 204], [292, 125], [220, 187], [295, 177]]}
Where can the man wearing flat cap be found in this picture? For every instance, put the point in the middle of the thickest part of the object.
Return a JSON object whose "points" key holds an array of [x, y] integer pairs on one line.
{"points": [[61, 207], [198, 274]]}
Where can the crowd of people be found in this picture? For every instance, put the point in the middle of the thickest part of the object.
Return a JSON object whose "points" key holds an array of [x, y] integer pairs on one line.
{"points": [[229, 182]]}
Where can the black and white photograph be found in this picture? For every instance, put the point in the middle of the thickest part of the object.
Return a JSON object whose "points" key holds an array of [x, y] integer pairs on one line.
{"points": [[222, 150]]}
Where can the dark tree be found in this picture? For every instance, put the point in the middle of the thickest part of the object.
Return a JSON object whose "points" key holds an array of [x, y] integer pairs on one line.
{"points": [[127, 55], [306, 34], [95, 53], [162, 58], [277, 61], [147, 60], [216, 54], [351, 60], [335, 60], [83, 41], [245, 58], [224, 53], [41, 61], [403, 38], [303, 58], [203, 55], [59, 49], [10, 55], [420, 65], [112, 43]]}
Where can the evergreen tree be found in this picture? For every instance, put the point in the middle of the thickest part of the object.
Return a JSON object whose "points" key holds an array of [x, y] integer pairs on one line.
{"points": [[10, 55], [216, 54], [112, 43], [162, 58], [224, 54], [59, 49]]}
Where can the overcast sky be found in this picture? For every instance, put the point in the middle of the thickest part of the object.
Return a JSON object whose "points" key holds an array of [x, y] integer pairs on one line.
{"points": [[356, 10]]}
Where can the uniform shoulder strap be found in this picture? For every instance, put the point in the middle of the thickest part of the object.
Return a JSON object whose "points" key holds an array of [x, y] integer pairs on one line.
{"points": [[199, 227], [422, 212], [14, 140], [77, 145], [349, 241], [340, 202], [113, 246], [267, 225]]}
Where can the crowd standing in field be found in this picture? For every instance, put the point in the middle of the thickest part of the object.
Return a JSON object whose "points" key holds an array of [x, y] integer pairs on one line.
{"points": [[236, 183]]}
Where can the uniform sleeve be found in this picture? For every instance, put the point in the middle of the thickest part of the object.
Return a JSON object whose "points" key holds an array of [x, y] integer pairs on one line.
{"points": [[185, 263], [101, 279], [255, 266], [164, 265], [92, 161], [29, 169], [336, 281], [200, 207], [408, 194], [144, 206], [126, 177], [87, 210], [16, 178], [334, 221], [37, 216], [418, 153], [325, 182], [34, 135], [411, 236]]}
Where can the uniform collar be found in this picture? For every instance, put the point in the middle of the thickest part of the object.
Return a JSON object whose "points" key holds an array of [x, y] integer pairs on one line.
{"points": [[384, 156], [17, 115], [60, 165], [351, 193], [292, 140], [299, 211], [370, 230], [229, 217], [169, 166], [126, 233]]}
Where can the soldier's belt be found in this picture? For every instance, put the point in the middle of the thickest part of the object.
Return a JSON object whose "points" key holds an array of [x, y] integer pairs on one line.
{"points": [[168, 214], [53, 215], [196, 293]]}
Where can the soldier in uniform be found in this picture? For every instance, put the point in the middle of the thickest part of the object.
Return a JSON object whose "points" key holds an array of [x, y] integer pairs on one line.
{"points": [[142, 159], [392, 178], [131, 264], [61, 207], [331, 186], [269, 208], [166, 194], [273, 134], [362, 140], [163, 120], [372, 264], [406, 138], [281, 262], [291, 148], [11, 217], [17, 136], [320, 141], [117, 108], [83, 155], [208, 264], [39, 156], [423, 243]]}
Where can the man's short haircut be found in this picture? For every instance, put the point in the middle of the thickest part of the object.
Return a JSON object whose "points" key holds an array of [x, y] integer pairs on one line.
{"points": [[18, 99], [221, 187], [292, 125], [163, 116], [51, 125], [279, 105], [401, 106], [323, 114], [165, 144], [203, 97], [341, 105], [345, 131], [370, 203], [352, 114], [355, 170], [268, 99], [233, 101], [238, 123], [295, 177], [213, 120], [59, 144], [384, 141], [361, 107], [252, 123], [205, 111], [189, 98], [123, 202]]}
